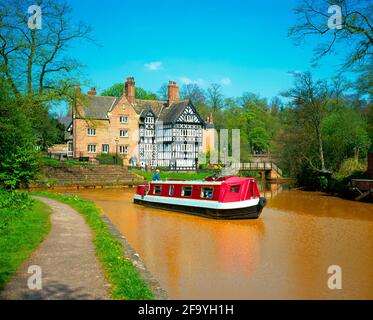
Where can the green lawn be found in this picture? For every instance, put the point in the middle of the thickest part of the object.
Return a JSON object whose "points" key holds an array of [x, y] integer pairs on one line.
{"points": [[45, 161], [120, 272], [21, 231], [173, 175]]}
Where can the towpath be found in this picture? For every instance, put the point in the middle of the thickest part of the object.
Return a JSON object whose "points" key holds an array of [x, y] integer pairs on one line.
{"points": [[69, 268]]}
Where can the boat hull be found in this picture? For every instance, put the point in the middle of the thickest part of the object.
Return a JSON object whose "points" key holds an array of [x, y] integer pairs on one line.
{"points": [[251, 212]]}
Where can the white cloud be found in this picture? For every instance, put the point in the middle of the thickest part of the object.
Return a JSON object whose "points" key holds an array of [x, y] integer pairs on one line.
{"points": [[226, 81], [186, 80], [153, 66]]}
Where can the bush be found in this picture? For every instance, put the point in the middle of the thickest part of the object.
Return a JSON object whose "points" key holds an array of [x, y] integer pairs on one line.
{"points": [[350, 167], [12, 206], [106, 159], [19, 157]]}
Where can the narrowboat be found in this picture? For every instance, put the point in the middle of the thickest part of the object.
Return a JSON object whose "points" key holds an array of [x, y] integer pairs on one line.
{"points": [[215, 197]]}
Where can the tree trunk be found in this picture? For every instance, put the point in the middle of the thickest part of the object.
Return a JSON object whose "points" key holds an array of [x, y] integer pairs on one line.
{"points": [[321, 150]]}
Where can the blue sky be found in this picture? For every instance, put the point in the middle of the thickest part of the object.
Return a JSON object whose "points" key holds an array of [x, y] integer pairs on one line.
{"points": [[242, 45]]}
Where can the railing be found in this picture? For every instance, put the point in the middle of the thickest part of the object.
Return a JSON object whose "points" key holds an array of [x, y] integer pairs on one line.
{"points": [[260, 166], [254, 166]]}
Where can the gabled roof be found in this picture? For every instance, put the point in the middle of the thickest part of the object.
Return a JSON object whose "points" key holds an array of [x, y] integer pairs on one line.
{"points": [[97, 107], [171, 113]]}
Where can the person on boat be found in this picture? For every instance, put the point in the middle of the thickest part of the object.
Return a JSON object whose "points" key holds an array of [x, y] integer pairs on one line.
{"points": [[156, 176]]}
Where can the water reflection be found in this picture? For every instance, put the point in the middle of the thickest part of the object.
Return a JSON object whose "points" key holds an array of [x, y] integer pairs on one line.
{"points": [[285, 254]]}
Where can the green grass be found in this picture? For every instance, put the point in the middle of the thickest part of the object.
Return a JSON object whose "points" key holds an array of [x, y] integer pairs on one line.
{"points": [[173, 175], [126, 282], [22, 231], [45, 161]]}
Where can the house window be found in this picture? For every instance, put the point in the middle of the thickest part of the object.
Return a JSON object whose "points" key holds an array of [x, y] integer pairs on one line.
{"points": [[235, 189], [123, 133], [186, 191], [157, 189], [91, 131], [207, 192], [171, 191], [123, 149], [123, 119], [91, 148], [105, 148], [149, 120]]}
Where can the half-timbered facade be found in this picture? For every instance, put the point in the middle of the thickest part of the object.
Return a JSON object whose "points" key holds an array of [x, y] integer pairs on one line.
{"points": [[154, 133]]}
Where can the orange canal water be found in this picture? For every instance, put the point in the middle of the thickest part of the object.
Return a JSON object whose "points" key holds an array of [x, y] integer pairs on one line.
{"points": [[283, 255]]}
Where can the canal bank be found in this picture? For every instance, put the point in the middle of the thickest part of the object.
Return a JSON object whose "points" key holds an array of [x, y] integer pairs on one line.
{"points": [[283, 255]]}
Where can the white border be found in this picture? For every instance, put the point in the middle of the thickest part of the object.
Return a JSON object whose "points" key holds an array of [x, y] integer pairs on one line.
{"points": [[200, 203]]}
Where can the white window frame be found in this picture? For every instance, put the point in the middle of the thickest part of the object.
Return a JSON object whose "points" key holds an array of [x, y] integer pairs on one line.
{"points": [[123, 136], [91, 132], [102, 148], [123, 149], [183, 191], [123, 119], [92, 148]]}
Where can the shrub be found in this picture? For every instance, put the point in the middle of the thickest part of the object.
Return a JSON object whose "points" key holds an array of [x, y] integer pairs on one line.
{"points": [[12, 206], [106, 159]]}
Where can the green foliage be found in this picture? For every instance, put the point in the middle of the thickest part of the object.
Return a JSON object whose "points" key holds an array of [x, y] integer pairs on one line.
{"points": [[19, 156], [345, 136], [24, 223], [350, 167], [12, 206], [117, 90], [126, 281], [106, 159]]}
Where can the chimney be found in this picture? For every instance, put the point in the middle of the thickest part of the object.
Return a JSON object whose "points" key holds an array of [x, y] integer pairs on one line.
{"points": [[92, 91], [129, 89], [173, 92], [211, 119], [78, 89]]}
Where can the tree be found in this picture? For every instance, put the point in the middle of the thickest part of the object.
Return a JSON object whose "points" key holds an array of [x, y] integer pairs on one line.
{"points": [[355, 29], [194, 92], [34, 61], [345, 136], [163, 91], [19, 156], [215, 97], [117, 90], [310, 99]]}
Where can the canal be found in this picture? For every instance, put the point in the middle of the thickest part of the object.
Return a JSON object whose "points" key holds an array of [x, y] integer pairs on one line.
{"points": [[283, 255]]}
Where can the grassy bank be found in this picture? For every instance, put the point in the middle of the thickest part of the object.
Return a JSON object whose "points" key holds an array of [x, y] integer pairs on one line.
{"points": [[49, 162], [173, 175], [24, 223], [126, 281]]}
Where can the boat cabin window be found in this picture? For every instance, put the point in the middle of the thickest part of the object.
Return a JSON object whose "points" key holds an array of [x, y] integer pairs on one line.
{"points": [[171, 191], [157, 189], [235, 189], [207, 192], [186, 191]]}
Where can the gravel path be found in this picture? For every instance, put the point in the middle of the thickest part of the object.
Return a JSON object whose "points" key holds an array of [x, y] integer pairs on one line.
{"points": [[70, 269]]}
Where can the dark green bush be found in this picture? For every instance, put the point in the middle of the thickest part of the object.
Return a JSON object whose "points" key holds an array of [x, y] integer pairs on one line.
{"points": [[106, 159]]}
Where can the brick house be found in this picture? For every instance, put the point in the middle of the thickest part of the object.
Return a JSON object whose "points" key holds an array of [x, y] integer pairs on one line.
{"points": [[168, 133]]}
